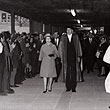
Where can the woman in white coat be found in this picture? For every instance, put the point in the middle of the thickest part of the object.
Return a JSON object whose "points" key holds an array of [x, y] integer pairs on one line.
{"points": [[106, 59], [48, 54]]}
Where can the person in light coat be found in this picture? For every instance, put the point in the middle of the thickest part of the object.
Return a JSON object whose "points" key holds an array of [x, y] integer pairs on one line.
{"points": [[48, 54]]}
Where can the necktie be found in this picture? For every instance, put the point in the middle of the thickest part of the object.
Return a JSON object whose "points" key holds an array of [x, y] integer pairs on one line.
{"points": [[56, 40]]}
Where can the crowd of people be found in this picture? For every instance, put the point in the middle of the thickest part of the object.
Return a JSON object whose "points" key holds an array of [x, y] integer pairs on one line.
{"points": [[18, 58], [56, 57]]}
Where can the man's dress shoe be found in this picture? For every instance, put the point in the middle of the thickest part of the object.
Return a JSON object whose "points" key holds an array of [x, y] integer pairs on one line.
{"points": [[73, 90]]}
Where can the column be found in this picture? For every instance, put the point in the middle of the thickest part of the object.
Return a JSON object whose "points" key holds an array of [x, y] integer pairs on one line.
{"points": [[12, 23], [36, 26], [48, 28], [107, 30]]}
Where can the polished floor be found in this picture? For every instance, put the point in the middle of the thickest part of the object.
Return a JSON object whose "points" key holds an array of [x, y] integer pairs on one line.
{"points": [[90, 95]]}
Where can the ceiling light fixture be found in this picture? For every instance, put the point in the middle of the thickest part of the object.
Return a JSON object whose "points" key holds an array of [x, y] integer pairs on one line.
{"points": [[95, 31], [78, 21], [91, 31], [73, 12], [81, 25]]}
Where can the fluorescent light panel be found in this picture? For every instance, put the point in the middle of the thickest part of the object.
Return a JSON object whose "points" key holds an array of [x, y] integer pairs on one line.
{"points": [[78, 21], [73, 12]]}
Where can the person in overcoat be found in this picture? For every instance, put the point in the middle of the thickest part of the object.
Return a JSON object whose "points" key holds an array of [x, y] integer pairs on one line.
{"points": [[48, 53], [8, 67], [2, 65], [70, 52], [56, 41], [102, 66], [91, 45], [15, 53]]}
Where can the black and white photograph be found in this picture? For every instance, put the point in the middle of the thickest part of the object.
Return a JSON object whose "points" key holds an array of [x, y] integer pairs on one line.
{"points": [[54, 54]]}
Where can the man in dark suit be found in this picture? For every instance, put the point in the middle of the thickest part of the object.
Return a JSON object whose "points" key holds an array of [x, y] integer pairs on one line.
{"points": [[8, 67], [90, 48], [56, 41], [70, 53], [2, 65]]}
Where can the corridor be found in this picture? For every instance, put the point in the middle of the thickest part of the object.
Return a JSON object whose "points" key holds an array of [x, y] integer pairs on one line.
{"points": [[90, 95]]}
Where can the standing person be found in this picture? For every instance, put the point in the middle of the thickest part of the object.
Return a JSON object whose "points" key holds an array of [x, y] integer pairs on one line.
{"points": [[70, 53], [33, 55], [2, 65], [8, 67], [15, 53], [90, 52], [27, 60], [23, 48], [48, 53], [58, 60], [39, 42], [102, 66], [19, 74]]}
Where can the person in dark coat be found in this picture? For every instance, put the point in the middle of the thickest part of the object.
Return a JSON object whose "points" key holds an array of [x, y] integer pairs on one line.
{"points": [[2, 66], [33, 56], [15, 53], [39, 43], [8, 67], [90, 52], [103, 67], [58, 64], [70, 52], [23, 48], [19, 77]]}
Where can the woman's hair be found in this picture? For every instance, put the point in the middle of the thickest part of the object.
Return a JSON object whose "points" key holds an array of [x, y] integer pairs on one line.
{"points": [[6, 34]]}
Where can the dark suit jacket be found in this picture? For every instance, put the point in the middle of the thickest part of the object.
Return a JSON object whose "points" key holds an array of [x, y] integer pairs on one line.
{"points": [[91, 48]]}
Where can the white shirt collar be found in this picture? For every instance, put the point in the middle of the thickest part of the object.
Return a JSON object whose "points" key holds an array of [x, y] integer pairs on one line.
{"points": [[69, 37]]}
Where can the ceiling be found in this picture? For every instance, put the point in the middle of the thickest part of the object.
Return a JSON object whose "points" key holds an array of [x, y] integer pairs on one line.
{"points": [[93, 13]]}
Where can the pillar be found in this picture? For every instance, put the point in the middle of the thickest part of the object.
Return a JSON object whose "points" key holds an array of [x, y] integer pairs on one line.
{"points": [[55, 29], [12, 23], [48, 28], [36, 26]]}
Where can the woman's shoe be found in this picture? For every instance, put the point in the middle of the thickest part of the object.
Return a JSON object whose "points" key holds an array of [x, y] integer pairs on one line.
{"points": [[45, 91], [50, 90]]}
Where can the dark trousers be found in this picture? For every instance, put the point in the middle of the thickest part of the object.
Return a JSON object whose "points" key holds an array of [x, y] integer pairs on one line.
{"points": [[1, 77], [7, 75], [90, 63], [20, 73], [58, 69], [71, 76], [34, 67], [6, 80]]}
